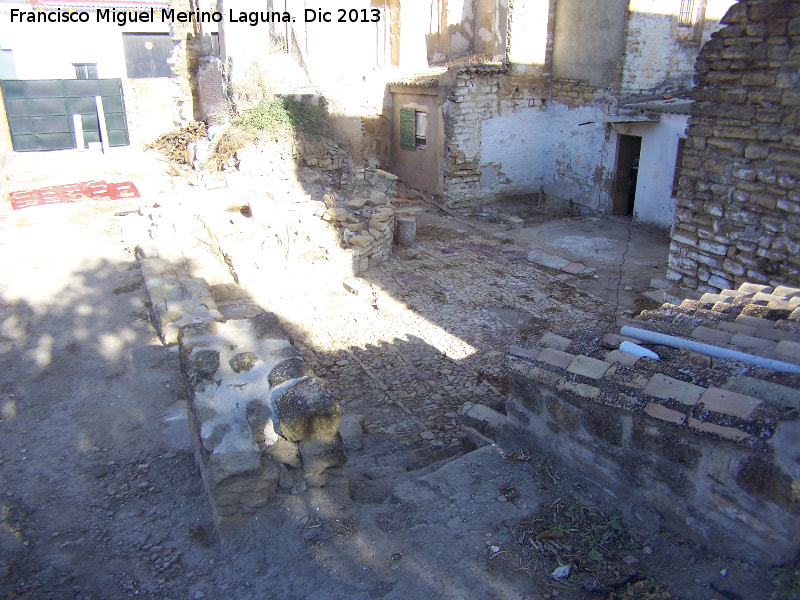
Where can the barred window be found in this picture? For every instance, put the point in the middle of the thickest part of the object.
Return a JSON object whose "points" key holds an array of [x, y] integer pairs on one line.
{"points": [[687, 17], [85, 70]]}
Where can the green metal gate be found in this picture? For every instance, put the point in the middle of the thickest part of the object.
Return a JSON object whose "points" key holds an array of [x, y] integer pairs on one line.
{"points": [[39, 112]]}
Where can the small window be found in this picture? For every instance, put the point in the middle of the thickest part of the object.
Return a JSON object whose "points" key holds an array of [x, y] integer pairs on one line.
{"points": [[687, 17], [85, 70], [420, 129], [413, 129], [678, 160]]}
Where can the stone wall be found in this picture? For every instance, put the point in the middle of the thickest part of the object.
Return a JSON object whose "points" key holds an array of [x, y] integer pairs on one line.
{"points": [[711, 447], [260, 422], [738, 207], [660, 54], [509, 133], [258, 418]]}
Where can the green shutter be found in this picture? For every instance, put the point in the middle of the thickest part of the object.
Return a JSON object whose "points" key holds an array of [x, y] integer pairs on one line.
{"points": [[408, 127]]}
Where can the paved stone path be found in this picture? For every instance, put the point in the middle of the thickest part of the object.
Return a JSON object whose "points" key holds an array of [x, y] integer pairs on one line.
{"points": [[427, 332]]}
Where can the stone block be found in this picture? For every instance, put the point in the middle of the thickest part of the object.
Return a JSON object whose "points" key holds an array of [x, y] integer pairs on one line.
{"points": [[320, 454], [243, 362], [556, 358], [728, 433], [668, 388], [588, 367], [788, 348], [754, 288], [753, 343], [756, 322], [292, 368], [527, 353], [574, 268], [580, 389], [307, 410], [547, 260], [658, 411], [617, 356], [200, 365], [729, 403], [361, 241], [267, 326], [483, 419], [788, 292], [551, 340]]}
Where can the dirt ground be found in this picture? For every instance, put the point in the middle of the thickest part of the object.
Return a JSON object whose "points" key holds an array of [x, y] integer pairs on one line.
{"points": [[101, 498]]}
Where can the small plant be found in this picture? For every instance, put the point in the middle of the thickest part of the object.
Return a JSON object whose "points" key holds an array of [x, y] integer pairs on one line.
{"points": [[284, 115]]}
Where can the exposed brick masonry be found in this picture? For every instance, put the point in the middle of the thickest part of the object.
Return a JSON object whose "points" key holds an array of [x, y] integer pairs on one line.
{"points": [[738, 209]]}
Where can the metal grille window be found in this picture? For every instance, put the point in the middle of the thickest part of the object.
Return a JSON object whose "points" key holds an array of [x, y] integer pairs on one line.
{"points": [[85, 70], [421, 129], [687, 17]]}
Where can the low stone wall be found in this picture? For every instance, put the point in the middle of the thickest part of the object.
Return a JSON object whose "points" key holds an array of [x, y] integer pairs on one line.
{"points": [[367, 229], [176, 298], [712, 449], [259, 419]]}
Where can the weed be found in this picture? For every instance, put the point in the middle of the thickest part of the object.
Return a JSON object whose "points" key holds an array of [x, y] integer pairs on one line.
{"points": [[286, 116]]}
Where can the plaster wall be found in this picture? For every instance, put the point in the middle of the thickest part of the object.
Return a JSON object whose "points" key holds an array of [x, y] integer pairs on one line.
{"points": [[589, 40], [655, 204], [546, 148], [459, 28], [422, 168], [655, 59]]}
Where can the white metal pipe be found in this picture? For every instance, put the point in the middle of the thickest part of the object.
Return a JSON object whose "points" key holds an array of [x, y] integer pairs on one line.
{"points": [[707, 349]]}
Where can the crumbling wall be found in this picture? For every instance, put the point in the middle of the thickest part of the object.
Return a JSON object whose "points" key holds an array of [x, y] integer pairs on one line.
{"points": [[738, 207], [509, 133], [659, 53]]}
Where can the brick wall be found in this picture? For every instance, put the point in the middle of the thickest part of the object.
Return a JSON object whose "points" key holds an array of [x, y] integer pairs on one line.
{"points": [[738, 207], [572, 92]]}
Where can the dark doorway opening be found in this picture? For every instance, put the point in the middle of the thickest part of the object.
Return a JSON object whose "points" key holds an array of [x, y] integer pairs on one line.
{"points": [[628, 151]]}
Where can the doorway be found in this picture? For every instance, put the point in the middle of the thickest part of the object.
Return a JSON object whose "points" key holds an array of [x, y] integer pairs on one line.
{"points": [[627, 151]]}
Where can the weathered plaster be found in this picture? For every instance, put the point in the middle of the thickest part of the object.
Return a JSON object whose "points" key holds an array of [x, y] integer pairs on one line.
{"points": [[547, 148], [655, 204]]}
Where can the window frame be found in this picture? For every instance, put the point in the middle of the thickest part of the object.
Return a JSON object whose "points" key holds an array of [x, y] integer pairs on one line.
{"points": [[420, 124], [85, 70]]}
